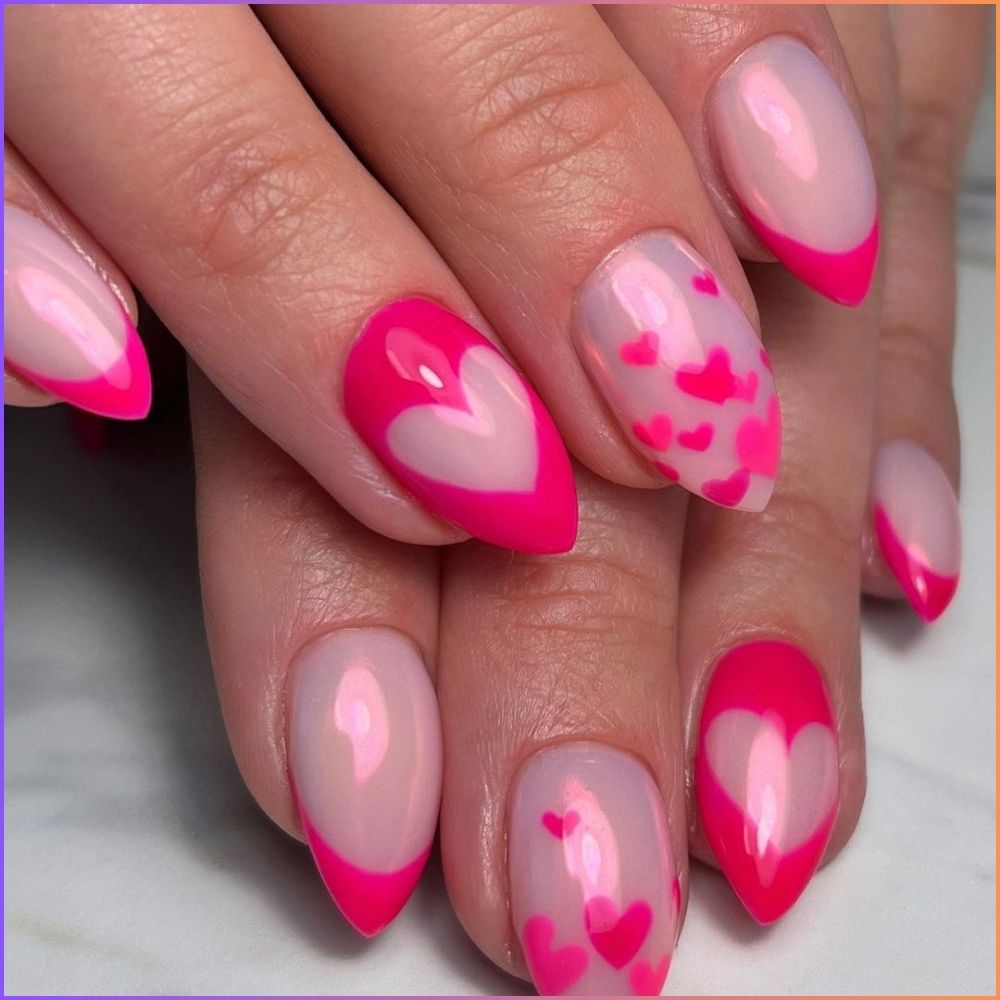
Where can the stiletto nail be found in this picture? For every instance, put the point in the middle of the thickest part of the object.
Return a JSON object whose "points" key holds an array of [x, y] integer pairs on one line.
{"points": [[682, 369], [594, 892], [64, 329], [916, 522], [798, 164], [767, 773], [460, 428], [364, 748]]}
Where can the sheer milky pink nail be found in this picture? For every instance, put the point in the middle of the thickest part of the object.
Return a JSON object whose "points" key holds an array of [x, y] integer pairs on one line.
{"points": [[64, 329], [460, 428], [917, 525], [594, 892], [798, 164], [767, 773], [682, 369], [364, 746]]}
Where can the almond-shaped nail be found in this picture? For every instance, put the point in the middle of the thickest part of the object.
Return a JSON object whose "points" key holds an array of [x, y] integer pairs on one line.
{"points": [[364, 746], [595, 897], [916, 522], [767, 773], [460, 428], [64, 328], [682, 369], [795, 159]]}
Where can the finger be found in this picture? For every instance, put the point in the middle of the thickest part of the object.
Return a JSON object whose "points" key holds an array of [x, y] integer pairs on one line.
{"points": [[69, 313], [559, 190], [268, 250], [914, 534], [319, 632], [562, 827], [765, 100]]}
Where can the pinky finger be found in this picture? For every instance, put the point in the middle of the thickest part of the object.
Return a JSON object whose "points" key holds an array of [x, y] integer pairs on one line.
{"points": [[69, 313], [913, 541]]}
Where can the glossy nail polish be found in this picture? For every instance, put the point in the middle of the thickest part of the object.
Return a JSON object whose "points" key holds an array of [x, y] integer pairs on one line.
{"points": [[595, 898], [916, 522], [795, 159], [460, 428], [767, 773], [682, 369], [64, 329], [364, 747]]}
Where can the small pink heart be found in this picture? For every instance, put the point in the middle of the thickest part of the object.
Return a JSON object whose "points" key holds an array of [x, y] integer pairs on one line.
{"points": [[642, 351], [561, 826], [714, 381], [765, 359], [553, 970], [758, 442], [667, 471], [705, 283], [617, 937], [746, 388], [647, 981], [656, 434], [728, 492], [698, 439]]}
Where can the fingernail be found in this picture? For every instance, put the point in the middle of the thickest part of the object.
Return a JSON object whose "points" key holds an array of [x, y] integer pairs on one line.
{"points": [[682, 369], [917, 525], [594, 892], [64, 329], [798, 164], [767, 773], [364, 752], [460, 428]]}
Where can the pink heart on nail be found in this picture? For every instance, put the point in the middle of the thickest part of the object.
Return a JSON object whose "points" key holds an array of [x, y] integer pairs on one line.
{"points": [[641, 351], [647, 981], [617, 937], [758, 442], [656, 434], [705, 283], [698, 439], [727, 492], [561, 826], [553, 970]]}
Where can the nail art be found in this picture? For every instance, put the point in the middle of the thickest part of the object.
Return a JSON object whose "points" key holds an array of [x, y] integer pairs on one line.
{"points": [[798, 164], [682, 369], [916, 522], [460, 428], [767, 773], [364, 746], [64, 329], [595, 898]]}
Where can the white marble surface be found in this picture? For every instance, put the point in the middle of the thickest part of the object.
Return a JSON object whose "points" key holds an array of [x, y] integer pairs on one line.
{"points": [[136, 862]]}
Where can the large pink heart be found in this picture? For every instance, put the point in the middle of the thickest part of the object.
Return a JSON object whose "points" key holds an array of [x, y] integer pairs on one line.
{"points": [[758, 442], [554, 970], [617, 937], [491, 447], [786, 789]]}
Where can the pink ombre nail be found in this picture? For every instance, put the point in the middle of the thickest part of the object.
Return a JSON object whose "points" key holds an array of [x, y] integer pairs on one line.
{"points": [[364, 746], [595, 897], [64, 329], [460, 428], [767, 773], [682, 369], [916, 522], [798, 164]]}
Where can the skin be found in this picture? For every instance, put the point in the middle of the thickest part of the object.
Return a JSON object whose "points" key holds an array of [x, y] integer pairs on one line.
{"points": [[495, 629]]}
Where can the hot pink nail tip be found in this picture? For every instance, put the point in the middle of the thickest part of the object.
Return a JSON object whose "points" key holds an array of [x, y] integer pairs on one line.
{"points": [[767, 773], [64, 329], [460, 428], [364, 749], [917, 525], [594, 892], [799, 166], [682, 369], [369, 901]]}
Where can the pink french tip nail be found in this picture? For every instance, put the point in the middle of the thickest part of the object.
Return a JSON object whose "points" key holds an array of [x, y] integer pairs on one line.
{"points": [[64, 329], [767, 773], [916, 521], [593, 883], [460, 428], [682, 369], [795, 159], [364, 749]]}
